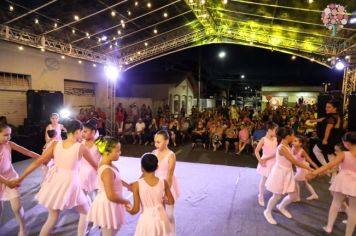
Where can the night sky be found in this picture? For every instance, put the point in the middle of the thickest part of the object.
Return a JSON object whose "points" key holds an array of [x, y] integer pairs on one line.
{"points": [[260, 67]]}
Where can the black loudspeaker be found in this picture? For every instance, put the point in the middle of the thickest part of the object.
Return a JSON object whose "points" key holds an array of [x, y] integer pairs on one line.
{"points": [[33, 104], [352, 113], [51, 102], [322, 100], [40, 105]]}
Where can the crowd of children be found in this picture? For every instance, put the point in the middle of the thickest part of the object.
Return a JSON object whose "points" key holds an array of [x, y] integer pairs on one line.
{"points": [[79, 173]]}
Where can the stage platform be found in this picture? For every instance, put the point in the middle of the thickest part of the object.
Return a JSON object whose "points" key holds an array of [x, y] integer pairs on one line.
{"points": [[217, 200]]}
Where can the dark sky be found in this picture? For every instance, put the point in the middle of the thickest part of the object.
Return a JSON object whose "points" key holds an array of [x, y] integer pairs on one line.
{"points": [[260, 67]]}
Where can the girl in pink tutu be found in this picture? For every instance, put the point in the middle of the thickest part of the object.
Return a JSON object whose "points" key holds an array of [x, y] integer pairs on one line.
{"points": [[343, 185], [88, 175], [281, 180], [107, 209], [302, 156], [52, 133], [61, 188], [7, 172], [55, 125], [268, 144], [165, 170], [149, 192]]}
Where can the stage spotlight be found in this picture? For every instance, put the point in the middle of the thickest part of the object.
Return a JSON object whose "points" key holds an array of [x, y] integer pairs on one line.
{"points": [[340, 65], [352, 19], [111, 72], [64, 113], [222, 54], [104, 38]]}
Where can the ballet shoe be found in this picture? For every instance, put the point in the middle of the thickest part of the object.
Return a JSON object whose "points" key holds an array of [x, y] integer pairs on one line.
{"points": [[284, 211], [269, 218], [261, 200], [312, 197], [327, 230]]}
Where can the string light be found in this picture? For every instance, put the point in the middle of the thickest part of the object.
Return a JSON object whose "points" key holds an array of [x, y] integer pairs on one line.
{"points": [[55, 25], [312, 59], [94, 65], [20, 48], [63, 57], [123, 25], [165, 15], [110, 46], [87, 34], [146, 44], [129, 13], [136, 3], [11, 8], [294, 57], [224, 1], [42, 49], [76, 17], [149, 5], [113, 13], [155, 31], [251, 43], [73, 31], [114, 38], [115, 43], [202, 1], [80, 62], [119, 32], [310, 1], [36, 21]]}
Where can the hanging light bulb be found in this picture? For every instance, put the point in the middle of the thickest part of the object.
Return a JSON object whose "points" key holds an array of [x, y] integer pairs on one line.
{"points": [[149, 5], [11, 8], [36, 21], [146, 44], [55, 25], [155, 31], [165, 15], [113, 13], [76, 17], [73, 31]]}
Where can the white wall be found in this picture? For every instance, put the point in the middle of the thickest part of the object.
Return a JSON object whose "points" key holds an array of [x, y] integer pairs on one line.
{"points": [[183, 89]]}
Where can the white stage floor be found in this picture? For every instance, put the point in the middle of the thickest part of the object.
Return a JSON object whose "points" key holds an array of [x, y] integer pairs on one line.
{"points": [[217, 200]]}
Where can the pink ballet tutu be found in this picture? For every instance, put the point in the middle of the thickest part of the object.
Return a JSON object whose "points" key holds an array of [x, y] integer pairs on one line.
{"points": [[61, 190], [175, 188], [301, 173], [345, 183], [153, 222], [88, 178], [280, 180], [265, 170], [7, 193], [105, 213]]}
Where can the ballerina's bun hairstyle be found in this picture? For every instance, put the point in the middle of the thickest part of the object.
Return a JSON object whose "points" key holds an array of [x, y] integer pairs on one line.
{"points": [[51, 133], [283, 132], [91, 124], [72, 125], [149, 162], [164, 133], [350, 137], [106, 144]]}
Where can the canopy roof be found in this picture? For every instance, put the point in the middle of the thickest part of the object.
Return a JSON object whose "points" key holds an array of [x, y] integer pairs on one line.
{"points": [[131, 32]]}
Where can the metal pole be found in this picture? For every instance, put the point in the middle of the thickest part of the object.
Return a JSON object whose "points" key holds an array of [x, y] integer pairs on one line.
{"points": [[199, 77]]}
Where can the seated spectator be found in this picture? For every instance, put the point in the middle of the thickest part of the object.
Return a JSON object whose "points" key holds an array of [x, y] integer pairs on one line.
{"points": [[231, 136], [139, 131], [257, 134], [310, 125], [129, 131], [150, 132], [173, 130], [244, 137], [199, 134], [216, 136], [184, 128]]}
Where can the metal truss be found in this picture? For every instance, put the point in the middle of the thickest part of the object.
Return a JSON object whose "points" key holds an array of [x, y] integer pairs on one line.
{"points": [[110, 124], [36, 41], [348, 86], [139, 53], [347, 47], [202, 14]]}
